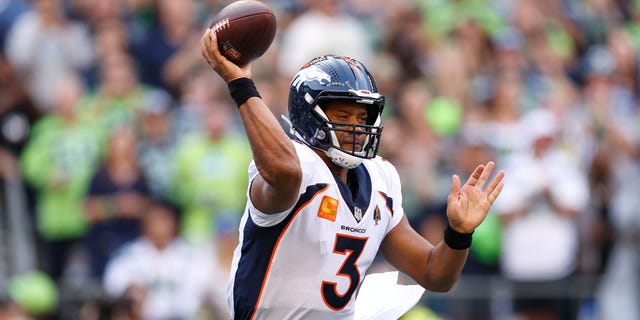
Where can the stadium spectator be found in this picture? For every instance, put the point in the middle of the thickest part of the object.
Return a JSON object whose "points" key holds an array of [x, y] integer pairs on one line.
{"points": [[167, 52], [58, 162], [44, 47], [115, 200], [17, 112], [545, 195], [119, 93], [162, 275], [333, 31], [210, 178], [609, 117], [157, 141], [196, 93]]}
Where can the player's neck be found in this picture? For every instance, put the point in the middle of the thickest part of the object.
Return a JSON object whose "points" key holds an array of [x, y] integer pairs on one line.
{"points": [[335, 169], [341, 172], [338, 170]]}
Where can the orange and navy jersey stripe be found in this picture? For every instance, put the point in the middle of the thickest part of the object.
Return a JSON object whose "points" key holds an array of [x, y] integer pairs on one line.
{"points": [[258, 249]]}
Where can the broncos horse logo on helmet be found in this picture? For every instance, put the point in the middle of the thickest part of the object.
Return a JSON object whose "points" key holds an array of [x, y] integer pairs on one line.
{"points": [[329, 78]]}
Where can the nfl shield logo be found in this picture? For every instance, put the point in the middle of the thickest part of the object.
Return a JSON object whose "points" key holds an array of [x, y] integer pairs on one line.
{"points": [[358, 213]]}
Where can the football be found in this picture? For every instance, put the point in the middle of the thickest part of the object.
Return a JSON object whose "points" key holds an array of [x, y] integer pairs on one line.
{"points": [[245, 29]]}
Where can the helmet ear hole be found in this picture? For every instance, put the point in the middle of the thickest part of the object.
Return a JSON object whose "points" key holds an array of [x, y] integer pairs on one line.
{"points": [[373, 112]]}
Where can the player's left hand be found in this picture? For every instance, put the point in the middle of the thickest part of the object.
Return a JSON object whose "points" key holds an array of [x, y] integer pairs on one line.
{"points": [[467, 206]]}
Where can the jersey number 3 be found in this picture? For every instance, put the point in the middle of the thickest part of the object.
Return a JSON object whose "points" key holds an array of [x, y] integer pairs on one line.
{"points": [[351, 247]]}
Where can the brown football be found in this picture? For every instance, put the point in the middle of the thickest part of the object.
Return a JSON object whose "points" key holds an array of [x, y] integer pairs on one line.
{"points": [[245, 30]]}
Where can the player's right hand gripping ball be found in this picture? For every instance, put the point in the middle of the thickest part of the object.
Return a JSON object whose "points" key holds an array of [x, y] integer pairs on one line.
{"points": [[245, 30]]}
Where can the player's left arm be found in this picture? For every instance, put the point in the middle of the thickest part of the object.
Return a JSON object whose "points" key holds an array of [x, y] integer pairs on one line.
{"points": [[437, 267]]}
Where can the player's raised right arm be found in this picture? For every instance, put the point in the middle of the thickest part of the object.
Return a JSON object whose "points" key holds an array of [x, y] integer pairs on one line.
{"points": [[276, 188]]}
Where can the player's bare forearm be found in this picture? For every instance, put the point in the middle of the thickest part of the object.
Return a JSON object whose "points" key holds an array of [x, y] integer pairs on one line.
{"points": [[274, 153], [275, 157], [443, 267], [436, 268]]}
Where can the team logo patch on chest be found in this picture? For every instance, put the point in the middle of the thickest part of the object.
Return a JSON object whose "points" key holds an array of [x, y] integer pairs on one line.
{"points": [[328, 208]]}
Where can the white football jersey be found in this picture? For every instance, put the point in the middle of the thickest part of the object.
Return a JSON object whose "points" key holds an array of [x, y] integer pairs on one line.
{"points": [[308, 262]]}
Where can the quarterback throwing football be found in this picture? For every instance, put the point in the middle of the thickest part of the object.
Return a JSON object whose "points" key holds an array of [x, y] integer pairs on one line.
{"points": [[321, 206]]}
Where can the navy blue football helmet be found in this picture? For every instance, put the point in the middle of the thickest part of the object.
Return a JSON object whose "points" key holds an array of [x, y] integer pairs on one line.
{"points": [[329, 78]]}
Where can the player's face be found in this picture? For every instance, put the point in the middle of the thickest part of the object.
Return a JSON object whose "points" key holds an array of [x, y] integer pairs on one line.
{"points": [[349, 113]]}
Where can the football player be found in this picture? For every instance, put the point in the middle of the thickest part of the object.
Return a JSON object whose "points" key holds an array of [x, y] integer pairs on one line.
{"points": [[320, 206]]}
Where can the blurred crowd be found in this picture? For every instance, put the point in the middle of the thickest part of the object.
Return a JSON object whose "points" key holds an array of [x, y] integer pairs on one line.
{"points": [[123, 162]]}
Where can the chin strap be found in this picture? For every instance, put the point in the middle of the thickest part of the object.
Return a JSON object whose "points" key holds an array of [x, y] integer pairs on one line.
{"points": [[343, 159]]}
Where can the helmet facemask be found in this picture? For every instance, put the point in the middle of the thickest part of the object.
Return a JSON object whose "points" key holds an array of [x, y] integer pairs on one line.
{"points": [[349, 156]]}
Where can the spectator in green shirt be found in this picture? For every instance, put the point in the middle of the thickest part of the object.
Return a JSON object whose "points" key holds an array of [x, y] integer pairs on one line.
{"points": [[211, 174], [58, 162]]}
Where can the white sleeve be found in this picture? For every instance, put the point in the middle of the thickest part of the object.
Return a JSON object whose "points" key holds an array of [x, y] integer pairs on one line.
{"points": [[118, 274], [308, 162], [260, 218], [521, 182], [77, 45], [22, 42], [569, 186], [395, 188]]}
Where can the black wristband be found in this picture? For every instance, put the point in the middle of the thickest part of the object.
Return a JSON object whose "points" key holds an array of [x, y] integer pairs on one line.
{"points": [[456, 240], [242, 89]]}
